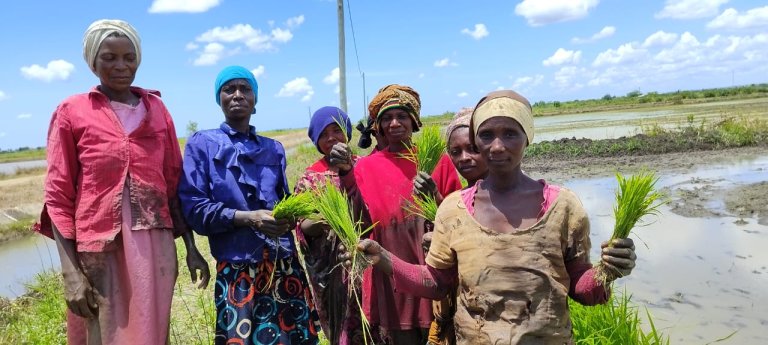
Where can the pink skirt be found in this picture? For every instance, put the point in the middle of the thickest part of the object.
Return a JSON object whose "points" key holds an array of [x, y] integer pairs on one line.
{"points": [[134, 289]]}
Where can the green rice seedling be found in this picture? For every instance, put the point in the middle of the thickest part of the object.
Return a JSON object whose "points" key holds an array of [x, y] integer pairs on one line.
{"points": [[615, 322], [294, 207], [427, 148], [423, 205], [334, 207], [635, 198]]}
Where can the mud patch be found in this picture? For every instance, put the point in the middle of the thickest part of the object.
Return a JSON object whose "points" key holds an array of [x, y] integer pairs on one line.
{"points": [[750, 201]]}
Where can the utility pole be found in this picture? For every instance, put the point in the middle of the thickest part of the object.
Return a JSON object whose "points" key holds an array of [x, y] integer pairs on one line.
{"points": [[342, 58]]}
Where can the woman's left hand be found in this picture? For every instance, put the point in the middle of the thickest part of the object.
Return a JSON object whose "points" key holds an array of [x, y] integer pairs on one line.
{"points": [[618, 257], [195, 263], [424, 184]]}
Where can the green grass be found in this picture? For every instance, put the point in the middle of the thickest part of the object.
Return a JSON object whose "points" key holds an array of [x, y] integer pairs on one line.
{"points": [[615, 322], [38, 317], [427, 149], [22, 154], [16, 229]]}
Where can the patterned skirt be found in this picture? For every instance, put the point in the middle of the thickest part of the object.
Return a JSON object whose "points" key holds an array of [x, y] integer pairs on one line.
{"points": [[264, 303]]}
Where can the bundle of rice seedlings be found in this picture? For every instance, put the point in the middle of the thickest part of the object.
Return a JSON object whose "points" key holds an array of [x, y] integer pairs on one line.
{"points": [[334, 208], [635, 198], [294, 207], [427, 148], [423, 205]]}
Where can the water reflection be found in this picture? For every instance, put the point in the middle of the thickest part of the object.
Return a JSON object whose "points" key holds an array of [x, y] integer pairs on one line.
{"points": [[12, 167], [701, 278], [22, 259]]}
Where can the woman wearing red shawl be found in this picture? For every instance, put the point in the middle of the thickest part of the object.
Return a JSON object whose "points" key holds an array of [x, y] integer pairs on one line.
{"points": [[382, 184], [339, 316]]}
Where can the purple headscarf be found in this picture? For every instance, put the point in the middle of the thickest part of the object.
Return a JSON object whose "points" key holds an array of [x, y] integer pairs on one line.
{"points": [[324, 117]]}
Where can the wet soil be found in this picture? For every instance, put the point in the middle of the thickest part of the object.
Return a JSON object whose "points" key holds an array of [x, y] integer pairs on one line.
{"points": [[750, 201]]}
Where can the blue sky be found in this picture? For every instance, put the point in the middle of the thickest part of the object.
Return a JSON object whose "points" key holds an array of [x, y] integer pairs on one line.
{"points": [[452, 52]]}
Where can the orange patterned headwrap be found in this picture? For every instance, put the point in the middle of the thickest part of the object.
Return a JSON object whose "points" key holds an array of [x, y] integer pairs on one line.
{"points": [[395, 96]]}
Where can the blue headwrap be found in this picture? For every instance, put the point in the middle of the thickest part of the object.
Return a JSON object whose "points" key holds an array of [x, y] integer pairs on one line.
{"points": [[324, 117], [236, 72]]}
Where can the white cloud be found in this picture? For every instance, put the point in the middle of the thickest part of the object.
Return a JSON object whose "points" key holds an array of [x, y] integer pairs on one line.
{"points": [[479, 32], [24, 116], [258, 71], [295, 21], [211, 54], [187, 6], [563, 56], [281, 35], [690, 9], [624, 54], [539, 13], [421, 75], [445, 63], [333, 77], [606, 32], [299, 86], [55, 70], [660, 38], [527, 81], [226, 41], [2, 134], [731, 19], [3, 96], [662, 60], [462, 94]]}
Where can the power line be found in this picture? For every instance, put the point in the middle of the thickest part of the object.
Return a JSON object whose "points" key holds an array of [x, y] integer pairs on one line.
{"points": [[357, 57]]}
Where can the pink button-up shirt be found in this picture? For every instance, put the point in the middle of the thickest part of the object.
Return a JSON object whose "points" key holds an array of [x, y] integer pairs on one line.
{"points": [[90, 158]]}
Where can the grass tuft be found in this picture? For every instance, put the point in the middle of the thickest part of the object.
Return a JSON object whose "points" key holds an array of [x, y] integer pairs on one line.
{"points": [[335, 209], [423, 205], [427, 149], [294, 207]]}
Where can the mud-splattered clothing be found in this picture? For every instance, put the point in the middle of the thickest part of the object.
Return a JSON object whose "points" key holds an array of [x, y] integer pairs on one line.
{"points": [[339, 315], [226, 171], [89, 158], [511, 288], [381, 184], [133, 277]]}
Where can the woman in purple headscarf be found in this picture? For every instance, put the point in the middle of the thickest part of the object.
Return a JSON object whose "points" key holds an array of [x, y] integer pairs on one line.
{"points": [[339, 314]]}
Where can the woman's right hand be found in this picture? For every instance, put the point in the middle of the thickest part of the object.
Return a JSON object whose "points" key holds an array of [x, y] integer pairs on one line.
{"points": [[374, 253], [80, 295], [263, 221], [341, 157]]}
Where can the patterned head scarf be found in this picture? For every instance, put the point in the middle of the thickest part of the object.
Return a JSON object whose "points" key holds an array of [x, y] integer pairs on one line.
{"points": [[325, 117], [395, 96], [235, 72], [461, 119], [505, 103], [99, 31]]}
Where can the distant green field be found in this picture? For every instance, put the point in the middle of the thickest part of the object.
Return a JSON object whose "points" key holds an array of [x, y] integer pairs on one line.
{"points": [[22, 155]]}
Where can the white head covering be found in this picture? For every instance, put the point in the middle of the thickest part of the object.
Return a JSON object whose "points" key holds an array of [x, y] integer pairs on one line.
{"points": [[101, 29]]}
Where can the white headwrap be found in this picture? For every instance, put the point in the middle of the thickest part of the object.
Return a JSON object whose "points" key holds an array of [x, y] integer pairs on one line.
{"points": [[100, 30]]}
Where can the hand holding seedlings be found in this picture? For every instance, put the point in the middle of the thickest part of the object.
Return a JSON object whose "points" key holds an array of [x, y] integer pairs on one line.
{"points": [[314, 228], [341, 157], [424, 184], [263, 221], [618, 257], [374, 253]]}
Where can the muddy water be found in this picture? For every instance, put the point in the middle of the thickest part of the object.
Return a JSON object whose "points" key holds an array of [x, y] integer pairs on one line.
{"points": [[12, 167], [701, 278], [22, 259]]}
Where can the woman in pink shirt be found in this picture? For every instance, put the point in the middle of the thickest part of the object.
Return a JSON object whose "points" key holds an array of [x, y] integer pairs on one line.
{"points": [[110, 199]]}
